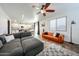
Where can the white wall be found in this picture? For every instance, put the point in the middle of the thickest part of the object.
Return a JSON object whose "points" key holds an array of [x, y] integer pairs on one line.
{"points": [[71, 15], [3, 22]]}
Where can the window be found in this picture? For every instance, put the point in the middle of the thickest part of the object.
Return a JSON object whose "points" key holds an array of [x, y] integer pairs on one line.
{"points": [[58, 24], [52, 25], [61, 24]]}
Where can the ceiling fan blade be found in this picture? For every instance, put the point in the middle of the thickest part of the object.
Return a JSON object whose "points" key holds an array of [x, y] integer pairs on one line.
{"points": [[50, 10], [42, 7], [38, 12], [44, 14], [46, 5]]}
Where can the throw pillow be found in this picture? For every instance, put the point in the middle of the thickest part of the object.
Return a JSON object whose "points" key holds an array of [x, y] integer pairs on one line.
{"points": [[1, 45], [57, 34], [46, 33], [2, 38], [9, 38]]}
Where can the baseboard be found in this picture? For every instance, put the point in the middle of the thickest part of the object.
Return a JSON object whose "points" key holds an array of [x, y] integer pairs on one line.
{"points": [[71, 43]]}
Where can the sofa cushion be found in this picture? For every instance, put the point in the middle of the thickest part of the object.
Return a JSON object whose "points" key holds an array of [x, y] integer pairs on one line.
{"points": [[10, 46], [2, 38], [13, 47], [16, 52], [31, 44], [35, 51], [57, 34], [25, 34], [17, 35], [22, 34], [1, 44]]}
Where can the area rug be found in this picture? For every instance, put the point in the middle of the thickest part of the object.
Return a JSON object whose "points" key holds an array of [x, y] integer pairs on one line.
{"points": [[57, 50]]}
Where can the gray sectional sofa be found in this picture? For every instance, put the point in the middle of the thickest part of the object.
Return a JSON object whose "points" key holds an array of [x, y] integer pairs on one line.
{"points": [[24, 44]]}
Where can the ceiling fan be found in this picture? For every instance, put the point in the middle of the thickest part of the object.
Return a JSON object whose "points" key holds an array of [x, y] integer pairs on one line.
{"points": [[44, 9]]}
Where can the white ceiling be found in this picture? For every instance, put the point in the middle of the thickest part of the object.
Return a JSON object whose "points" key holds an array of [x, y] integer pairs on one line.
{"points": [[16, 10]]}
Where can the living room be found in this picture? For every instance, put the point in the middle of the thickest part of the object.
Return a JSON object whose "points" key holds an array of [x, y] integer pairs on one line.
{"points": [[39, 29]]}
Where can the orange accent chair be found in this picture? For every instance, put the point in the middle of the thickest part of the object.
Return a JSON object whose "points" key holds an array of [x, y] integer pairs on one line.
{"points": [[50, 36]]}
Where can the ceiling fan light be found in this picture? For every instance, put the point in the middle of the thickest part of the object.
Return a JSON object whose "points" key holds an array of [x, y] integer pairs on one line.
{"points": [[42, 11]]}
